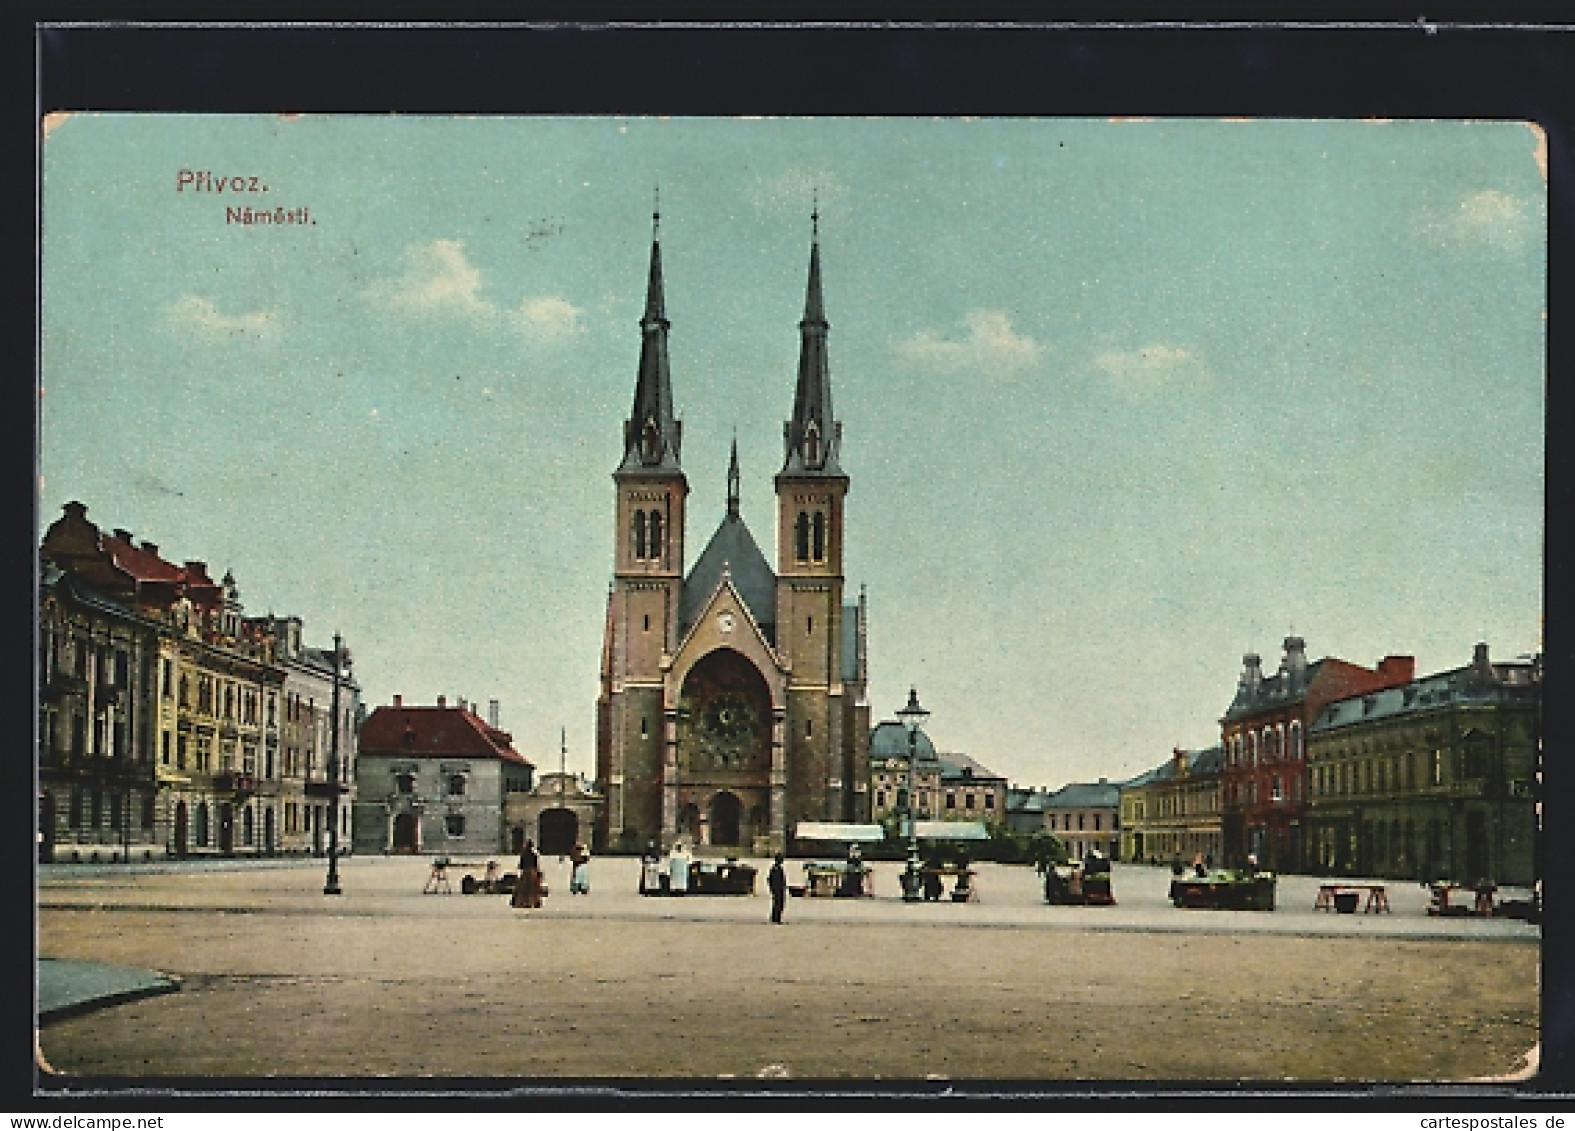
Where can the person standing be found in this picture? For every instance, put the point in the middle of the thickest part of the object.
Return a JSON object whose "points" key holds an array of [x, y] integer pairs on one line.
{"points": [[527, 892], [678, 870], [580, 876], [776, 882]]}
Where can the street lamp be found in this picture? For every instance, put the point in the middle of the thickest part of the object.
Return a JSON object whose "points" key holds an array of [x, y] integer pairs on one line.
{"points": [[331, 887], [913, 717]]}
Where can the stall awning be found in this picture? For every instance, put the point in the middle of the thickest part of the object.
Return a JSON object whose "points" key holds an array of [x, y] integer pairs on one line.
{"points": [[836, 830], [950, 830]]}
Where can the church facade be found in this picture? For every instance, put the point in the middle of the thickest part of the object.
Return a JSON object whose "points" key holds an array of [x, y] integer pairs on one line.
{"points": [[732, 702]]}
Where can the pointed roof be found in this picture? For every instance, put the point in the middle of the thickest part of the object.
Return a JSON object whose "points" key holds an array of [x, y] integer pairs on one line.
{"points": [[813, 435], [732, 550], [652, 435]]}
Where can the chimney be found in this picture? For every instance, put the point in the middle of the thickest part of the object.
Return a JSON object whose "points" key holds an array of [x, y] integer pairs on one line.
{"points": [[492, 714], [1479, 660], [1251, 671], [399, 700], [123, 535], [1398, 669], [442, 701], [150, 548]]}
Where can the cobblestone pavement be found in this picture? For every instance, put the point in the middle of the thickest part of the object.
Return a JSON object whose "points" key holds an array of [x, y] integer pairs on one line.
{"points": [[279, 980]]}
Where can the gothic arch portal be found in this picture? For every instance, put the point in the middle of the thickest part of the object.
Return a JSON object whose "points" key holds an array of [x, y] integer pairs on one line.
{"points": [[724, 722]]}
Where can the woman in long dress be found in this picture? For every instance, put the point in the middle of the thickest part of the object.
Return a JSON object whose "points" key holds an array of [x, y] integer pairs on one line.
{"points": [[527, 892]]}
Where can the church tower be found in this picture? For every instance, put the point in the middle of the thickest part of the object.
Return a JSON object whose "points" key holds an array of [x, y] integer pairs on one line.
{"points": [[642, 614], [811, 489], [732, 705]]}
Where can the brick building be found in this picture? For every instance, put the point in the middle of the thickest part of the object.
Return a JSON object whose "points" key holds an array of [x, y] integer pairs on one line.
{"points": [[732, 702], [1263, 734]]}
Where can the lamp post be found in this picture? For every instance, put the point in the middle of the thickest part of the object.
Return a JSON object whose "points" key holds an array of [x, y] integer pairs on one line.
{"points": [[913, 717], [331, 887]]}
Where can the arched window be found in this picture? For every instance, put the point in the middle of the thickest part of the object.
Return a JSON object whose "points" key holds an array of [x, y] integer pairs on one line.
{"points": [[820, 536], [655, 546], [1297, 753], [650, 442], [801, 537], [639, 534], [812, 444]]}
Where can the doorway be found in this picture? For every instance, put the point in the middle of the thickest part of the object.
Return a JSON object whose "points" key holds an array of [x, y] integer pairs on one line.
{"points": [[406, 833], [725, 812], [180, 828], [558, 831]]}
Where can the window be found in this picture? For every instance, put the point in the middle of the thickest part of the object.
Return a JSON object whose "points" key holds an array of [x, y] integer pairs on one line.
{"points": [[168, 682], [989, 801], [809, 727], [405, 783], [968, 801], [1096, 822], [655, 548], [820, 536], [147, 811], [164, 747], [639, 534], [1080, 818], [202, 824], [951, 800], [1436, 769], [880, 799], [456, 785], [114, 810], [801, 537]]}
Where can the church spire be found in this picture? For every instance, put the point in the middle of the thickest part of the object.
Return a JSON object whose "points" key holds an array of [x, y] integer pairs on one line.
{"points": [[812, 436], [652, 436], [732, 482]]}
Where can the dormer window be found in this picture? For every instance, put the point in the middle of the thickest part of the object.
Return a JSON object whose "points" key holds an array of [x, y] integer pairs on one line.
{"points": [[812, 444], [650, 442]]}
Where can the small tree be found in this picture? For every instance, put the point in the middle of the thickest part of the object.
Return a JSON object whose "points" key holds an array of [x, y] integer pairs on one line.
{"points": [[1045, 850]]}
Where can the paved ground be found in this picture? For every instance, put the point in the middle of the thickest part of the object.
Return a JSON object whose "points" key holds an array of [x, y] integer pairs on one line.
{"points": [[279, 980]]}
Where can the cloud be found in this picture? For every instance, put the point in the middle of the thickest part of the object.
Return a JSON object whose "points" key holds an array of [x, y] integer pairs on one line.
{"points": [[1488, 216], [545, 319], [990, 344], [1149, 369], [199, 316], [438, 279]]}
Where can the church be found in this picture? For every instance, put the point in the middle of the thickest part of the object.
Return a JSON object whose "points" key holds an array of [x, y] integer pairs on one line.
{"points": [[732, 702]]}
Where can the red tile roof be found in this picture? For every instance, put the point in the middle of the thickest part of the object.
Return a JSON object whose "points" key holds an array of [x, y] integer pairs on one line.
{"points": [[435, 732], [140, 564]]}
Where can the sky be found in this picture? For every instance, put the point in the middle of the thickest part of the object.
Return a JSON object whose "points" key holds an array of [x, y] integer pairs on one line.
{"points": [[1121, 400]]}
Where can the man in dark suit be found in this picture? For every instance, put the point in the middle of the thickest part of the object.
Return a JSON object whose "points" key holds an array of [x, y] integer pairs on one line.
{"points": [[776, 881]]}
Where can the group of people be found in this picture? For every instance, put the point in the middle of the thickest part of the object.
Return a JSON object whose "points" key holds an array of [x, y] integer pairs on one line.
{"points": [[530, 889]]}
